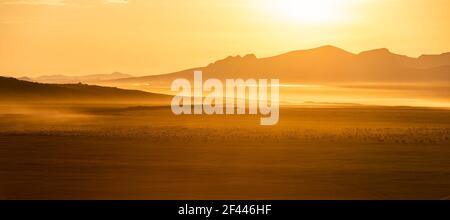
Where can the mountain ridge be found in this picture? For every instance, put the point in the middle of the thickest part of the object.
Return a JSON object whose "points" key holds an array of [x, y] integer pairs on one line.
{"points": [[91, 78], [322, 64]]}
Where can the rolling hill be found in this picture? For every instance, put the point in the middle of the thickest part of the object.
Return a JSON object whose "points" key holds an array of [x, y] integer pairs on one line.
{"points": [[12, 89]]}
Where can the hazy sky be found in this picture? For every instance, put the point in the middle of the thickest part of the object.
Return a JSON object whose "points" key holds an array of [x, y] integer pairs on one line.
{"points": [[158, 36]]}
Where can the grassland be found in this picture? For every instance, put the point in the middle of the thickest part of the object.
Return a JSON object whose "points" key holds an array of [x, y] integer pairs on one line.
{"points": [[315, 152]]}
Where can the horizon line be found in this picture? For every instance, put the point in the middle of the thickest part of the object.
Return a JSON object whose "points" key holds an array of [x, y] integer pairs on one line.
{"points": [[239, 56]]}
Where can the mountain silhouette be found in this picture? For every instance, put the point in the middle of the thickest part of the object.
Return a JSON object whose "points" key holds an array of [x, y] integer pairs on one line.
{"points": [[12, 89], [76, 79], [327, 64]]}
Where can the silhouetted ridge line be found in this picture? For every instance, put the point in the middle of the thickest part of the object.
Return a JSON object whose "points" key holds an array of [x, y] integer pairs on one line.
{"points": [[14, 89]]}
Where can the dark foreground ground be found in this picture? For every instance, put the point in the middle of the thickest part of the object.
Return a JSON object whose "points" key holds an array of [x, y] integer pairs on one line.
{"points": [[116, 152]]}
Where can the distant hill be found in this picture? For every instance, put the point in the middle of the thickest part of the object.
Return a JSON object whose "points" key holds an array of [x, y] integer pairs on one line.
{"points": [[26, 79], [12, 89], [325, 64], [77, 79]]}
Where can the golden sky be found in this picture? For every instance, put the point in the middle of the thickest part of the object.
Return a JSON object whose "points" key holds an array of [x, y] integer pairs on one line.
{"points": [[144, 37]]}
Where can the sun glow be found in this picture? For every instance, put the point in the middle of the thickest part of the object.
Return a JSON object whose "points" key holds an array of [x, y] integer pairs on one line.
{"points": [[307, 11]]}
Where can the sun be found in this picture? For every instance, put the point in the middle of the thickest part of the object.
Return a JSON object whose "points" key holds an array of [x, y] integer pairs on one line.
{"points": [[306, 11], [310, 11]]}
